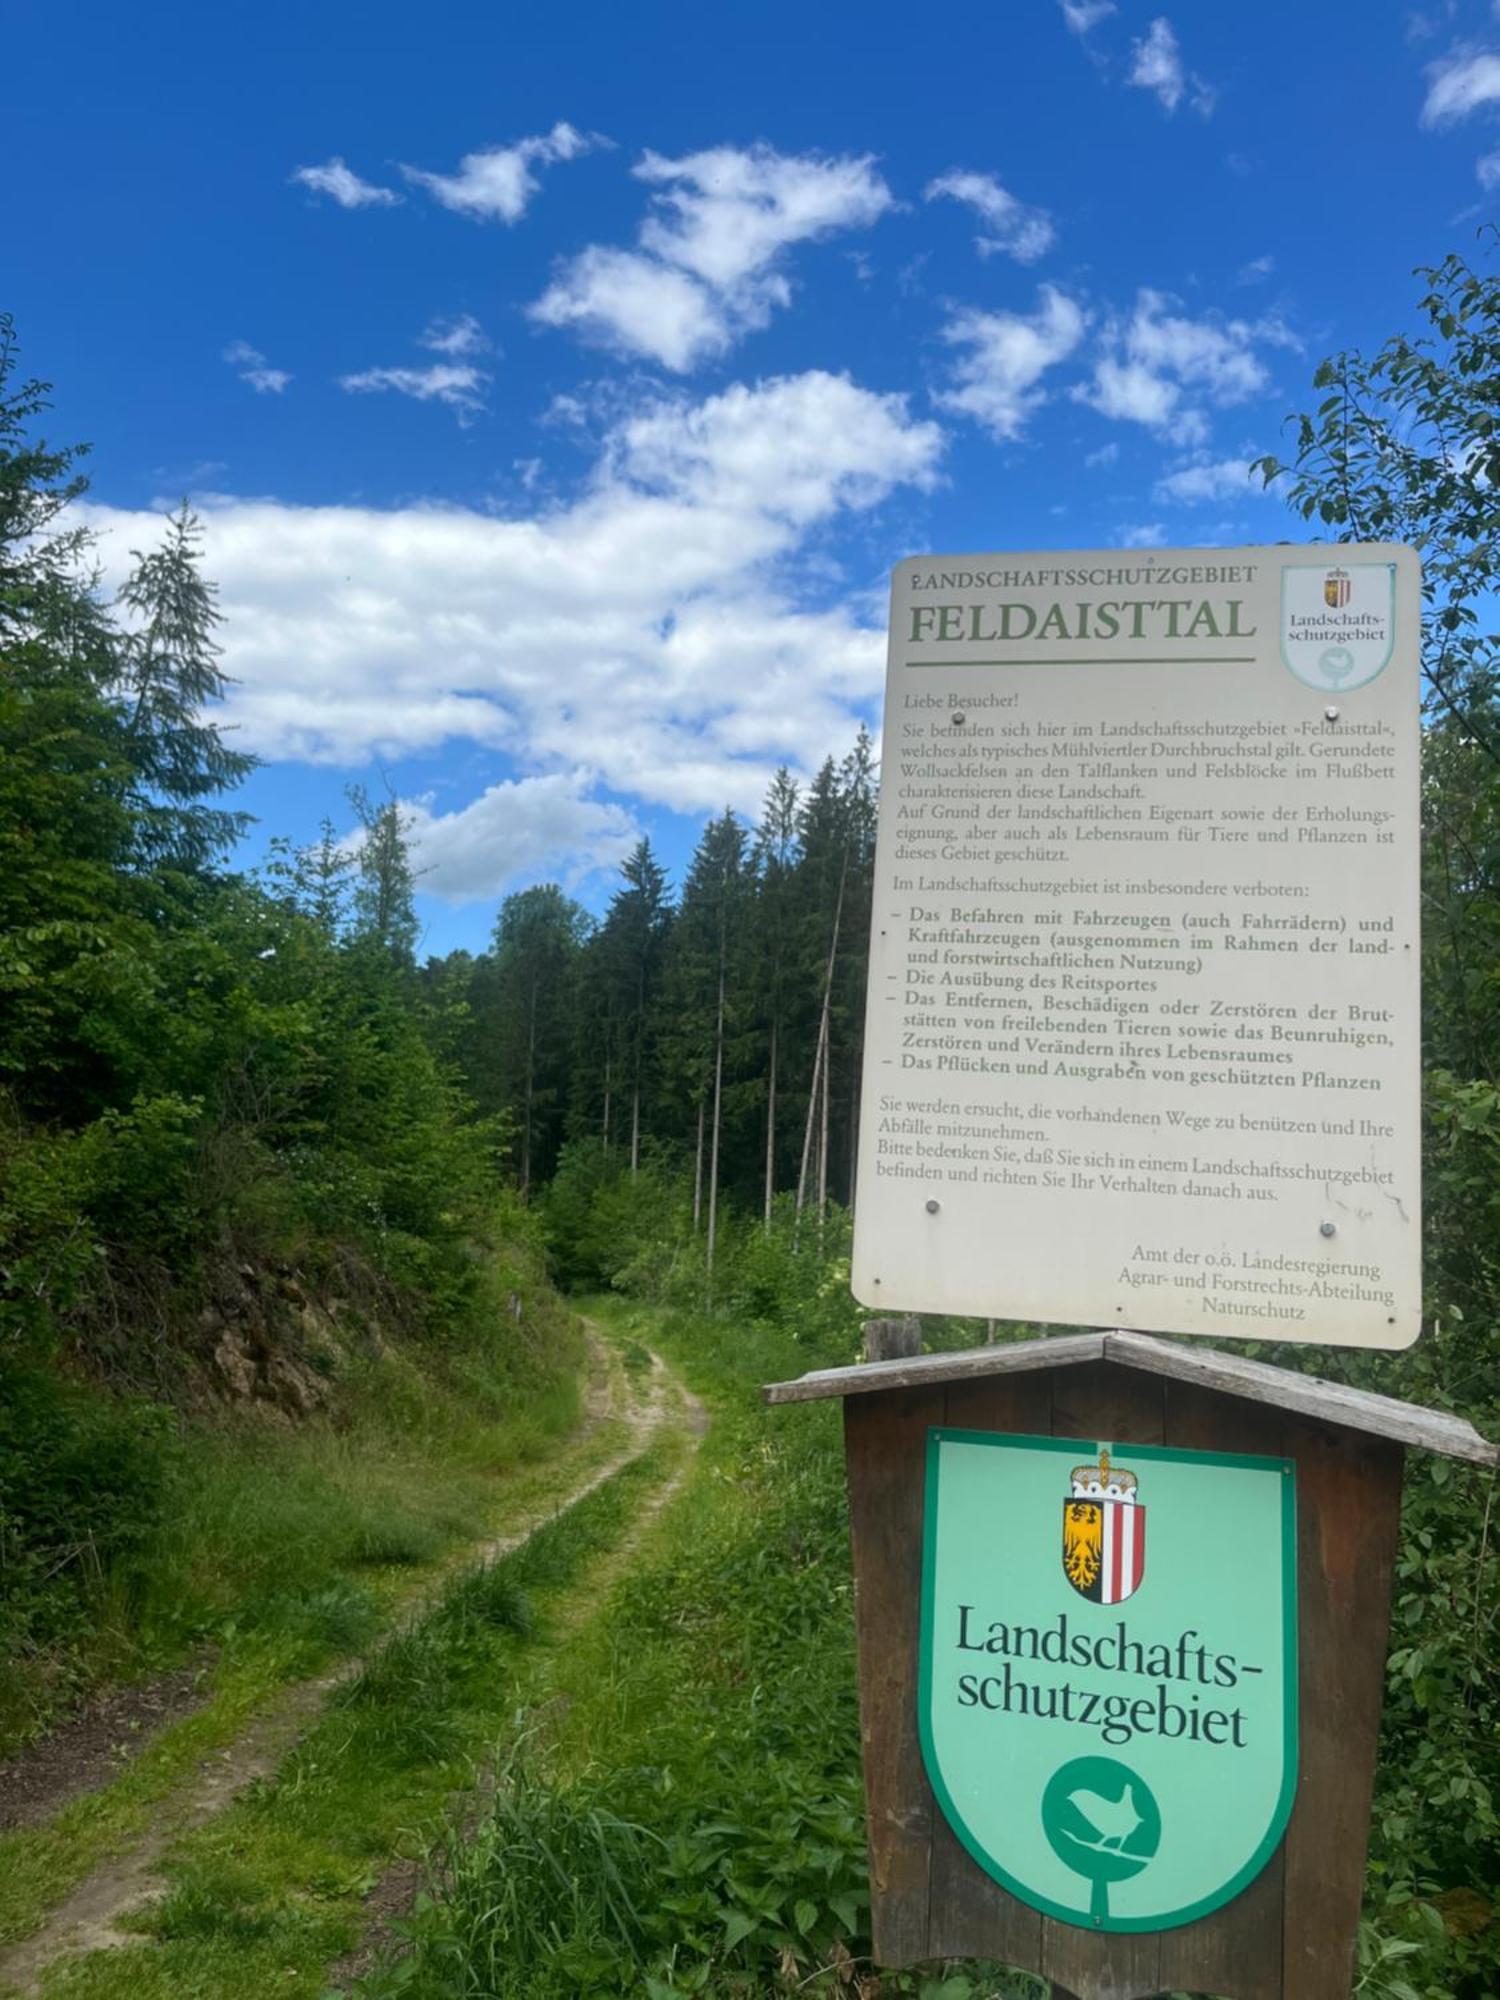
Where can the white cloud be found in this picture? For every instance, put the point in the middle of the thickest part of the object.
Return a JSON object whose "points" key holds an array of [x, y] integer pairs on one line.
{"points": [[1154, 361], [250, 365], [459, 336], [458, 385], [706, 269], [1144, 535], [1082, 15], [1256, 271], [1217, 479], [656, 631], [1012, 227], [497, 184], [726, 214], [1464, 81], [521, 830], [621, 299], [1157, 66], [345, 186], [1106, 455], [1008, 354], [1487, 170]]}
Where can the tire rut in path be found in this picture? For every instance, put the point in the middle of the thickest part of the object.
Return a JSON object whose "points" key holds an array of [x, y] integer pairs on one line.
{"points": [[395, 1892], [89, 1918]]}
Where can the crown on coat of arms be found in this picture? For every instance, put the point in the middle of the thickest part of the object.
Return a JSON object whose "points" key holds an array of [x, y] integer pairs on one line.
{"points": [[1103, 1481]]}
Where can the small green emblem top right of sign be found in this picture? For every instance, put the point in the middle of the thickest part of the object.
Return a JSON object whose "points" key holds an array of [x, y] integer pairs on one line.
{"points": [[1112, 1737]]}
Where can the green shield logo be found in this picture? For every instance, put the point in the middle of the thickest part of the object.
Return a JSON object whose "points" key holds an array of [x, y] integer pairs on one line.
{"points": [[1115, 1741]]}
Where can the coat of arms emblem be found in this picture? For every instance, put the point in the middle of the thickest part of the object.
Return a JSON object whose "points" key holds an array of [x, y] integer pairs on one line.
{"points": [[1337, 586], [1104, 1533]]}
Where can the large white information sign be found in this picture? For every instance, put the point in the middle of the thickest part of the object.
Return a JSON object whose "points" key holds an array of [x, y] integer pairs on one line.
{"points": [[1142, 1042]]}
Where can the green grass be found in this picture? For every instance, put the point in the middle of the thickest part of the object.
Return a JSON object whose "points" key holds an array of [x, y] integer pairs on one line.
{"points": [[223, 1525], [282, 1549], [265, 1895], [686, 1814]]}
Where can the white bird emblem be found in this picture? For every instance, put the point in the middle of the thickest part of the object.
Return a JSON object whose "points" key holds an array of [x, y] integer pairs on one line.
{"points": [[1113, 1820]]}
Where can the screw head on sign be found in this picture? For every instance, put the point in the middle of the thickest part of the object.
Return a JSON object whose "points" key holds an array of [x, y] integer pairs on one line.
{"points": [[958, 721], [1330, 715], [933, 1205], [1327, 1229]]}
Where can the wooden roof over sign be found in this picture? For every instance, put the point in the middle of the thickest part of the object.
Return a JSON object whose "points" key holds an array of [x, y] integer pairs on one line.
{"points": [[1208, 1367]]}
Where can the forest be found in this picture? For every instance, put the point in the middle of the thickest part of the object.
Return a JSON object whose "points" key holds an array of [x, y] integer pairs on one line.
{"points": [[295, 1231]]}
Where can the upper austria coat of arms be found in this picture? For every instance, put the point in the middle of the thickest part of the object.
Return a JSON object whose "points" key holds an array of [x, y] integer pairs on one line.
{"points": [[1104, 1533]]}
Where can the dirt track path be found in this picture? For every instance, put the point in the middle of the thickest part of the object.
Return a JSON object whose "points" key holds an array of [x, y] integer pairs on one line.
{"points": [[89, 1918]]}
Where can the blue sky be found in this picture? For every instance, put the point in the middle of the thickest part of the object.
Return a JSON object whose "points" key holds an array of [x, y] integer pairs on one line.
{"points": [[558, 385]]}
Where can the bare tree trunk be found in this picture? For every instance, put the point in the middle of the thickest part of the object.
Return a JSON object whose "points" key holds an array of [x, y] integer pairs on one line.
{"points": [[713, 1153], [811, 1125], [606, 1100], [771, 1122], [823, 1152], [530, 1087], [820, 1059], [698, 1172], [635, 1071]]}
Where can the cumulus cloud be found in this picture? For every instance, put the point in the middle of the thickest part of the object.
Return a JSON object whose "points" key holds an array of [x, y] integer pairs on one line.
{"points": [[1466, 80], [1157, 65], [1143, 535], [522, 830], [1487, 170], [1156, 362], [656, 632], [1011, 226], [707, 265], [995, 380], [497, 183], [344, 186], [620, 299], [251, 366]]}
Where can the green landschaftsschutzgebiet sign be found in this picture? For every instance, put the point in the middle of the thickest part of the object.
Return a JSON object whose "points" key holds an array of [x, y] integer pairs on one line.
{"points": [[1109, 1715]]}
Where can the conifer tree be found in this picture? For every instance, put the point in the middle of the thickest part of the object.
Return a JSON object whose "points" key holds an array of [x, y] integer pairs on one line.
{"points": [[170, 676], [385, 915], [632, 948], [711, 936], [538, 937], [775, 859]]}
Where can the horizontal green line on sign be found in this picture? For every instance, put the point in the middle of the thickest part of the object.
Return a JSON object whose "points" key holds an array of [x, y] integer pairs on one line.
{"points": [[1175, 660]]}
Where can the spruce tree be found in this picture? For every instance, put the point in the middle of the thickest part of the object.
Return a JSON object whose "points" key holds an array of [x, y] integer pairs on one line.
{"points": [[170, 677], [538, 937], [775, 859], [385, 916]]}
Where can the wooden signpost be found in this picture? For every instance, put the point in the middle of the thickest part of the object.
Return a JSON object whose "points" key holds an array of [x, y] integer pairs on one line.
{"points": [[1141, 1051], [1288, 1933]]}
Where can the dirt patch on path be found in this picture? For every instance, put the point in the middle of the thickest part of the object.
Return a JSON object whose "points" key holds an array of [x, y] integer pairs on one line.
{"points": [[92, 1749], [89, 1918]]}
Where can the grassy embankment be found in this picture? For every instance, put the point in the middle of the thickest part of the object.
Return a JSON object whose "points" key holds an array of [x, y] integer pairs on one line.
{"points": [[274, 1551]]}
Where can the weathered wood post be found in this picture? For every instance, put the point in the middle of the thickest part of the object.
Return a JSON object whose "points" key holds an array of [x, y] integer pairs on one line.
{"points": [[950, 1762]]}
